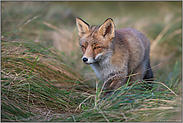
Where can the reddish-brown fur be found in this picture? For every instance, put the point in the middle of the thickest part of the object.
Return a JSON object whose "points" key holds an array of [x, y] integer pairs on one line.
{"points": [[114, 54]]}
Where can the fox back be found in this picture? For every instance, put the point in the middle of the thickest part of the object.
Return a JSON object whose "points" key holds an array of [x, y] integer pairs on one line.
{"points": [[114, 54]]}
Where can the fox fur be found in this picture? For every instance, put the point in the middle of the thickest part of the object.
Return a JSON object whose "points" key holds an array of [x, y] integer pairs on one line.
{"points": [[114, 54]]}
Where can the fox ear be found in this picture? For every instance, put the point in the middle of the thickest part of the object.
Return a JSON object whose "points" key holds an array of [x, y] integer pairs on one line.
{"points": [[107, 29], [83, 27]]}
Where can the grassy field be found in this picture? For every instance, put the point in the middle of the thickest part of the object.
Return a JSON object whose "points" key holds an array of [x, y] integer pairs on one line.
{"points": [[44, 79]]}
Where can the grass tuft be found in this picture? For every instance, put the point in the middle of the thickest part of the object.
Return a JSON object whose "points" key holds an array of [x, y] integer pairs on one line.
{"points": [[29, 72], [132, 104]]}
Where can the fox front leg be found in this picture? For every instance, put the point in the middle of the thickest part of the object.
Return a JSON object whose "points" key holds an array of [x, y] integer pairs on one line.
{"points": [[114, 83]]}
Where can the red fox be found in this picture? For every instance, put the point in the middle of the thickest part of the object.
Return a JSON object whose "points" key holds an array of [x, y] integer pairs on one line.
{"points": [[114, 54]]}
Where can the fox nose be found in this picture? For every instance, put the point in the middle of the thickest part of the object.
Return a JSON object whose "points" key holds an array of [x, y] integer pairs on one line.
{"points": [[85, 59]]}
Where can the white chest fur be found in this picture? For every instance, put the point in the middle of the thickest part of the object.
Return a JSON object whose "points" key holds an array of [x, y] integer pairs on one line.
{"points": [[103, 69]]}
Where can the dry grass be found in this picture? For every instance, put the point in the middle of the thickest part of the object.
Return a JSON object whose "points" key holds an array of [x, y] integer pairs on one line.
{"points": [[43, 78], [30, 77]]}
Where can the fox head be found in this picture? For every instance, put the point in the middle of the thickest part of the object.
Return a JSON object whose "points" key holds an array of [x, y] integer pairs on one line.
{"points": [[95, 41]]}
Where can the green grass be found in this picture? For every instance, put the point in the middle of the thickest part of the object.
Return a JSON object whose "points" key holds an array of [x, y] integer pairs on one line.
{"points": [[131, 105], [28, 75], [43, 78]]}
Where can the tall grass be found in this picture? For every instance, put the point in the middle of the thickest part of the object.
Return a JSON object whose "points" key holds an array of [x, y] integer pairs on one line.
{"points": [[132, 104], [29, 72], [43, 78]]}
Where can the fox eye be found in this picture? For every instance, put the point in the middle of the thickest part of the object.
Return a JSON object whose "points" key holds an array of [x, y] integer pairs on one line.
{"points": [[83, 47], [97, 47]]}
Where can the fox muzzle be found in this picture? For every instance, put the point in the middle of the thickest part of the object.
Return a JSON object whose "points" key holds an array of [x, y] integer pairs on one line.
{"points": [[89, 60]]}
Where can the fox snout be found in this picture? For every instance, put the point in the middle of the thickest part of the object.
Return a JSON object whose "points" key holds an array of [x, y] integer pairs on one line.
{"points": [[90, 54], [91, 60], [88, 57], [88, 60]]}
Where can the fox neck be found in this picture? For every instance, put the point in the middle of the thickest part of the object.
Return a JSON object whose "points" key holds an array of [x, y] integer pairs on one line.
{"points": [[103, 68]]}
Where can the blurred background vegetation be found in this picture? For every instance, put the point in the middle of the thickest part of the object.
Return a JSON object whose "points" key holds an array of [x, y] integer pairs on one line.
{"points": [[39, 46]]}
